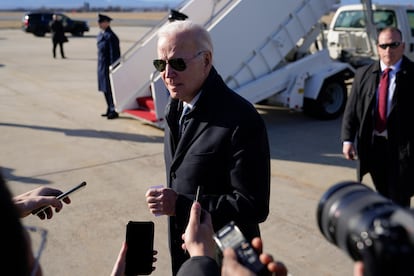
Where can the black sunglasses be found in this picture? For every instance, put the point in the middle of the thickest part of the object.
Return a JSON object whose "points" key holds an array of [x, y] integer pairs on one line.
{"points": [[392, 45], [176, 63]]}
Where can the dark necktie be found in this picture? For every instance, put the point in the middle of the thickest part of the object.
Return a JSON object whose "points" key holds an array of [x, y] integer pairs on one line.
{"points": [[381, 118], [183, 121]]}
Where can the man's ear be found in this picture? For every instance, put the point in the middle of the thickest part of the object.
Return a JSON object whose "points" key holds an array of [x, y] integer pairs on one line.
{"points": [[207, 58]]}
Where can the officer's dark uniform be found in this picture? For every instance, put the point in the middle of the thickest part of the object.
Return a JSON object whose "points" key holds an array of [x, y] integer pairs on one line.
{"points": [[108, 53]]}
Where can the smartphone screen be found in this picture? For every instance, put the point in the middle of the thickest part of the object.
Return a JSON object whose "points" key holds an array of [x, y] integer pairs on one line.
{"points": [[140, 242]]}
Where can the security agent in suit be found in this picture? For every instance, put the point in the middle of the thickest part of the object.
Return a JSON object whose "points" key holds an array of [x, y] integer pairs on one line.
{"points": [[58, 35], [388, 156], [108, 53], [223, 148]]}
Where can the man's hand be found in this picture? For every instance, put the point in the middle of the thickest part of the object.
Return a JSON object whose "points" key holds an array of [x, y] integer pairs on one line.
{"points": [[232, 267], [119, 266], [359, 269], [198, 236], [40, 197], [349, 151], [161, 201]]}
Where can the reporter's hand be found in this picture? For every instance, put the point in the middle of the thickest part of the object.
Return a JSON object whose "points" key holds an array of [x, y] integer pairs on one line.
{"points": [[38, 198], [119, 266], [232, 267], [274, 267], [359, 269], [198, 236]]}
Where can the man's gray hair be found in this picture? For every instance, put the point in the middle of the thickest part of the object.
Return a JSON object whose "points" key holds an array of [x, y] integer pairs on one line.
{"points": [[200, 34]]}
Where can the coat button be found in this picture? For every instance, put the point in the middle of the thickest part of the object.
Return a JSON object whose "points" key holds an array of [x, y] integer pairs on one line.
{"points": [[173, 175]]}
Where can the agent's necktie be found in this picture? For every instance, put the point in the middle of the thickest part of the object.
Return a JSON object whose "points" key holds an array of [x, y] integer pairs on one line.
{"points": [[381, 118]]}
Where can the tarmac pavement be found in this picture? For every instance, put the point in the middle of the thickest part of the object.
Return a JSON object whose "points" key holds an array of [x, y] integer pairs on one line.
{"points": [[52, 134]]}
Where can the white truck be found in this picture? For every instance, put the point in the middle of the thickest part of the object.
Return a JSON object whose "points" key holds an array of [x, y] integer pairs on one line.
{"points": [[262, 51], [351, 35]]}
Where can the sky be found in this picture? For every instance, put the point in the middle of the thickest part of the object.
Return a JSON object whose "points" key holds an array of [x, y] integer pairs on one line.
{"points": [[10, 4], [402, 2]]}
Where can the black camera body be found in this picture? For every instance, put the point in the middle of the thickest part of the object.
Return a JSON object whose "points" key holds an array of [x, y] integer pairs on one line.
{"points": [[369, 228]]}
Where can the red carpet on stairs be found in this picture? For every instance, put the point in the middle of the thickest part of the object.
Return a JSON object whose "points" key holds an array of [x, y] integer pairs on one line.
{"points": [[145, 109]]}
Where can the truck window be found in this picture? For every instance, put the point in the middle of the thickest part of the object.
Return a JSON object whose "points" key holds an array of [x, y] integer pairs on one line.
{"points": [[384, 19], [350, 19], [410, 15], [356, 19]]}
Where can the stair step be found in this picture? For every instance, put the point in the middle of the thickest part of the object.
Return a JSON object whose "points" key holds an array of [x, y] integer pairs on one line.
{"points": [[146, 103], [143, 114]]}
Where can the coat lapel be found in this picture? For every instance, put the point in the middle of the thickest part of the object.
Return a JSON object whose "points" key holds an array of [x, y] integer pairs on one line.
{"points": [[372, 87], [193, 131], [400, 79]]}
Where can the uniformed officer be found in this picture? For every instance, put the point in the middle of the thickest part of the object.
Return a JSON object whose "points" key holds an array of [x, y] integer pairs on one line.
{"points": [[108, 53]]}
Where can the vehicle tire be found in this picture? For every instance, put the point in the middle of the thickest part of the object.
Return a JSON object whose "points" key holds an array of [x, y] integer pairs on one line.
{"points": [[331, 101], [77, 33], [39, 33]]}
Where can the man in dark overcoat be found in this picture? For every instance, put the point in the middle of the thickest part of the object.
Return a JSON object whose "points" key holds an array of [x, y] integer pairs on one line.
{"points": [[386, 153], [219, 145], [58, 35]]}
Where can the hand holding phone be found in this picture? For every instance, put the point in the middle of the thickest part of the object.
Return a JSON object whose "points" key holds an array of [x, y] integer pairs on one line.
{"points": [[61, 196], [140, 247], [231, 236]]}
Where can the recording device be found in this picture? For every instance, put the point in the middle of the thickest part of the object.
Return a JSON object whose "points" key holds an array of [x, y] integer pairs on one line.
{"points": [[61, 196], [369, 228], [140, 242], [231, 236]]}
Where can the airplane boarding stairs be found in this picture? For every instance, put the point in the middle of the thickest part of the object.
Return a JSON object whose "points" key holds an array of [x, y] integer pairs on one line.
{"points": [[252, 39]]}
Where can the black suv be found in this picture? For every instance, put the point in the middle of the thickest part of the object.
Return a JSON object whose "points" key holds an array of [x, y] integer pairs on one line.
{"points": [[38, 23]]}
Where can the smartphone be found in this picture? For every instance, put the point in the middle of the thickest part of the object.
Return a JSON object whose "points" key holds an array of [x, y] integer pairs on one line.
{"points": [[140, 244], [231, 236], [62, 196]]}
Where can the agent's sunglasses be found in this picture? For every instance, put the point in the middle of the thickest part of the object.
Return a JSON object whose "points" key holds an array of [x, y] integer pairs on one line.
{"points": [[178, 64], [392, 45]]}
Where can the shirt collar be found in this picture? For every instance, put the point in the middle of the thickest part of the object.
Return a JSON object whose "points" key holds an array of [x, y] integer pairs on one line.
{"points": [[193, 102], [395, 67]]}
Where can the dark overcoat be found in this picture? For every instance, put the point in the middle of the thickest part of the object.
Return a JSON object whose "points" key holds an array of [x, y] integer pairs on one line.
{"points": [[358, 121], [108, 52], [225, 150], [58, 33]]}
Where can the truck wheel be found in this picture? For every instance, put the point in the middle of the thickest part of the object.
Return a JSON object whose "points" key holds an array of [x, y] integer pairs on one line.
{"points": [[330, 103], [39, 33]]}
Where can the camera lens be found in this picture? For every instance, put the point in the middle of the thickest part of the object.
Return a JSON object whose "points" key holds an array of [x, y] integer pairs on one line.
{"points": [[346, 214]]}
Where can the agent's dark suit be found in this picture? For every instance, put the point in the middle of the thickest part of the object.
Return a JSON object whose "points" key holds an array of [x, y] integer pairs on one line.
{"points": [[358, 122], [58, 36], [108, 52], [225, 150]]}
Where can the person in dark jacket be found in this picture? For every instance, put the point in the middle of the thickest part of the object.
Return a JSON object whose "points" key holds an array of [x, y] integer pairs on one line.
{"points": [[387, 152], [108, 52], [220, 144], [58, 35]]}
